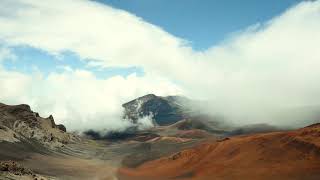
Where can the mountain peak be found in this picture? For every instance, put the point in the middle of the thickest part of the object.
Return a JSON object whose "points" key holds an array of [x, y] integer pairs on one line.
{"points": [[140, 99], [165, 110]]}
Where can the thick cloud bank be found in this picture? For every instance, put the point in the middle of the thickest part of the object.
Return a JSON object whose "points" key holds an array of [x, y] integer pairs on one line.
{"points": [[77, 98], [252, 76]]}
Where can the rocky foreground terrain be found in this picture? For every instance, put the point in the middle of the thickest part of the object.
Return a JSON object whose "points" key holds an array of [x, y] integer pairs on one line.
{"points": [[183, 144], [19, 123]]}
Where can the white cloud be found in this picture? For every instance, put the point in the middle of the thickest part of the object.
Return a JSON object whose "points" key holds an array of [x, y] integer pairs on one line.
{"points": [[272, 66], [77, 98], [275, 64]]}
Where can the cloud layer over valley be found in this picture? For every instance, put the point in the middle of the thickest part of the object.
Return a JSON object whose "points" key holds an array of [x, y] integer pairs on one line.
{"points": [[255, 73]]}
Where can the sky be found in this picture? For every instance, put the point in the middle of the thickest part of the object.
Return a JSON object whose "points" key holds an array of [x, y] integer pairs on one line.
{"points": [[80, 60], [203, 23]]}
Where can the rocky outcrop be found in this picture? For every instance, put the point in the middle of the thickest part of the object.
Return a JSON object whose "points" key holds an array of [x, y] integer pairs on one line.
{"points": [[14, 170], [20, 122], [62, 127], [51, 120]]}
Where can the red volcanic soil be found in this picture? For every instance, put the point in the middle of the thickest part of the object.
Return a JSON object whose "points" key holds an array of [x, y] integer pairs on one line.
{"points": [[194, 134], [276, 155]]}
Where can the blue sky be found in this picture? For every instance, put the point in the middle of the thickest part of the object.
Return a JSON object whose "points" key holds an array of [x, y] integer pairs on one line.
{"points": [[29, 60], [203, 24]]}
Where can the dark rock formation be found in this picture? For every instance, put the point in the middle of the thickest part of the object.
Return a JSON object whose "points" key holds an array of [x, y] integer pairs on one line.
{"points": [[165, 110], [53, 124], [129, 134], [61, 127]]}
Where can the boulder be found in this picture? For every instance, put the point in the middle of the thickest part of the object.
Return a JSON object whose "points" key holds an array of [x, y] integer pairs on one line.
{"points": [[61, 127]]}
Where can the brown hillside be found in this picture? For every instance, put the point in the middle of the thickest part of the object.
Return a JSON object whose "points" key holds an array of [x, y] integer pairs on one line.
{"points": [[276, 155]]}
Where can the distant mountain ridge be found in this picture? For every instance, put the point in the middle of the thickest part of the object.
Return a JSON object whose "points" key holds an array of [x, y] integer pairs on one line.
{"points": [[165, 110]]}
